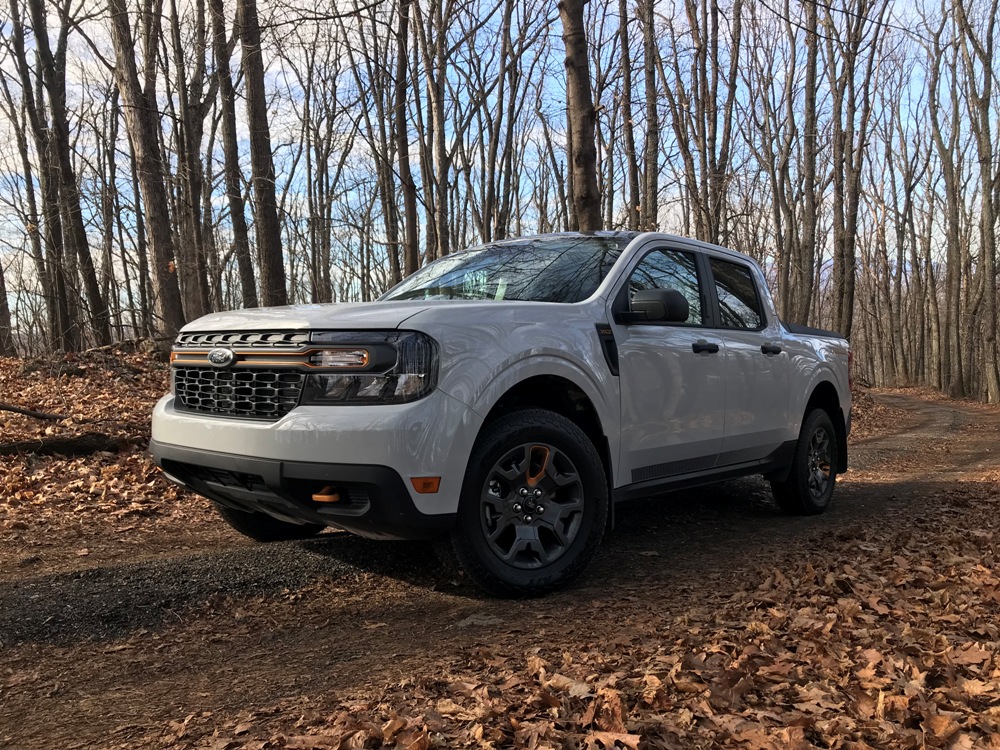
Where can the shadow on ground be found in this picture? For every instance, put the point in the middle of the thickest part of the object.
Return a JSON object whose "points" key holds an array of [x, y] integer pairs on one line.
{"points": [[716, 531]]}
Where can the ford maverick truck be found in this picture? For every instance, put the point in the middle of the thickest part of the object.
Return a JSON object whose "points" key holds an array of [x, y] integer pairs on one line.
{"points": [[502, 398]]}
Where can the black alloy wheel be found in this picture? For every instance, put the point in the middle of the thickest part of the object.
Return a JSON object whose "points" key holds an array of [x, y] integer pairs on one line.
{"points": [[534, 504], [808, 489]]}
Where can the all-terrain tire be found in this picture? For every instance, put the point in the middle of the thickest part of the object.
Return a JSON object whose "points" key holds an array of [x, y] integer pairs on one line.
{"points": [[264, 528], [810, 483], [534, 505]]}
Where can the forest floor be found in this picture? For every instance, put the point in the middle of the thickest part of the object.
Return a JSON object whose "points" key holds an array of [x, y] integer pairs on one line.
{"points": [[130, 617]]}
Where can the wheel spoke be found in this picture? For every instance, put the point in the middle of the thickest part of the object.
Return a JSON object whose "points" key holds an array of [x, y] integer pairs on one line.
{"points": [[511, 468], [567, 508], [527, 549], [494, 505], [500, 529], [539, 461], [532, 505], [562, 479], [819, 463], [556, 527]]}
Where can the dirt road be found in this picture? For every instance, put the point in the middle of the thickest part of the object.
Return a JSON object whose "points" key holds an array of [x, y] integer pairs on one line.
{"points": [[234, 645]]}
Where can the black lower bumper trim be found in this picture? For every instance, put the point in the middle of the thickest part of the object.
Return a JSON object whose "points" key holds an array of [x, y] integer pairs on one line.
{"points": [[374, 501]]}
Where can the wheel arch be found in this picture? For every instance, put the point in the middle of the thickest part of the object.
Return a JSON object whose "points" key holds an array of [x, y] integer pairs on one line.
{"points": [[826, 397], [557, 394]]}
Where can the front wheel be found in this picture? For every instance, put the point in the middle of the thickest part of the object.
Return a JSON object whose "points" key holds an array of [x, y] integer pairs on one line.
{"points": [[534, 504], [809, 486]]}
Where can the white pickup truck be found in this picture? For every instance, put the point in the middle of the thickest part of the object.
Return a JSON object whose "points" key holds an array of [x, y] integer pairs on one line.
{"points": [[503, 397]]}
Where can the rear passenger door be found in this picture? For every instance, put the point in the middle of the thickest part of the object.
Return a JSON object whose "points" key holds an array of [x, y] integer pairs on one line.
{"points": [[756, 367], [671, 374]]}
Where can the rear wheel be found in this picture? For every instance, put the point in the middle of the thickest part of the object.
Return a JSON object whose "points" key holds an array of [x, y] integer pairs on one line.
{"points": [[534, 504], [809, 486], [265, 528]]}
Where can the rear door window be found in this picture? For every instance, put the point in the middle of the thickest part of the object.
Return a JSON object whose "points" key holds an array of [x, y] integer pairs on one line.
{"points": [[739, 303]]}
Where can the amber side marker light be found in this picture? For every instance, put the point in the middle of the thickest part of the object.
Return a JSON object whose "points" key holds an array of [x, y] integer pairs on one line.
{"points": [[426, 485]]}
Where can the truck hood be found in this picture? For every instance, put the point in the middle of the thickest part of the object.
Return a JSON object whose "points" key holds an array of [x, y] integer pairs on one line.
{"points": [[345, 316]]}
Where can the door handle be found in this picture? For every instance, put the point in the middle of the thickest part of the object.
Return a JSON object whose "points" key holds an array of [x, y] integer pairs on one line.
{"points": [[701, 346], [770, 349]]}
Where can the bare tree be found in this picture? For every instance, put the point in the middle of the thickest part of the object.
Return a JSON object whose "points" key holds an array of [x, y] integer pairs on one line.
{"points": [[53, 77], [195, 94], [700, 84], [947, 145], [849, 146], [853, 46], [7, 348], [64, 334], [803, 258], [139, 110], [231, 156], [633, 213], [411, 244], [580, 117], [978, 54], [266, 227], [651, 156]]}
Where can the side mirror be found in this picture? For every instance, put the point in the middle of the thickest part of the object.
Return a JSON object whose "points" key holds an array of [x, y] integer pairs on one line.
{"points": [[659, 305]]}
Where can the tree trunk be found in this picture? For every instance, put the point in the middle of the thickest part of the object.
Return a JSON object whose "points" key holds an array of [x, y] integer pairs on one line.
{"points": [[53, 74], [192, 273], [411, 243], [144, 133], [231, 155], [581, 117], [651, 157], [979, 58], [268, 230], [7, 347], [62, 333], [33, 220], [634, 212], [805, 255]]}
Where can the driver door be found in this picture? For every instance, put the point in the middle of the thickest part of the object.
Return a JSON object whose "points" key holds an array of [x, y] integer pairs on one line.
{"points": [[671, 375]]}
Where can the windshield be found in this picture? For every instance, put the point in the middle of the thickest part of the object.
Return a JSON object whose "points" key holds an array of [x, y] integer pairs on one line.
{"points": [[556, 268]]}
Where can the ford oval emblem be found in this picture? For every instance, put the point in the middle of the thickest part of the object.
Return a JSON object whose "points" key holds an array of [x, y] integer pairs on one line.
{"points": [[221, 357]]}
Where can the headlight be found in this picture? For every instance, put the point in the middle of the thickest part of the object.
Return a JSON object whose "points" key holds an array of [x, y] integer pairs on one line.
{"points": [[377, 367]]}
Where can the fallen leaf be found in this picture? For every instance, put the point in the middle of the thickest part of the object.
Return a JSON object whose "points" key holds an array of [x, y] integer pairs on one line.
{"points": [[566, 685], [609, 739]]}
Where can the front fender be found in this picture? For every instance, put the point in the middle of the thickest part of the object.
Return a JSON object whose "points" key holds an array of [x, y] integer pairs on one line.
{"points": [[555, 364]]}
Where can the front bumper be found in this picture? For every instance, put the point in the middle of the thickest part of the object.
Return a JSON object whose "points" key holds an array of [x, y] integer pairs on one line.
{"points": [[374, 501], [375, 449]]}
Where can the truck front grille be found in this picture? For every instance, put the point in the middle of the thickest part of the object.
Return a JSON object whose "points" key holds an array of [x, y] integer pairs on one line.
{"points": [[250, 393], [281, 340]]}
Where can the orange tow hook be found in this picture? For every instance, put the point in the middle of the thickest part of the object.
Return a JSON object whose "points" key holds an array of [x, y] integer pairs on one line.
{"points": [[326, 495]]}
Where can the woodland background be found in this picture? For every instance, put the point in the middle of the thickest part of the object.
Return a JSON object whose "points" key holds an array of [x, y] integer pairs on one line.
{"points": [[160, 159]]}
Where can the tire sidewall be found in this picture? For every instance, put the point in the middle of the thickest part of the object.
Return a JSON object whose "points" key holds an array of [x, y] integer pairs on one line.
{"points": [[815, 420], [471, 547]]}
